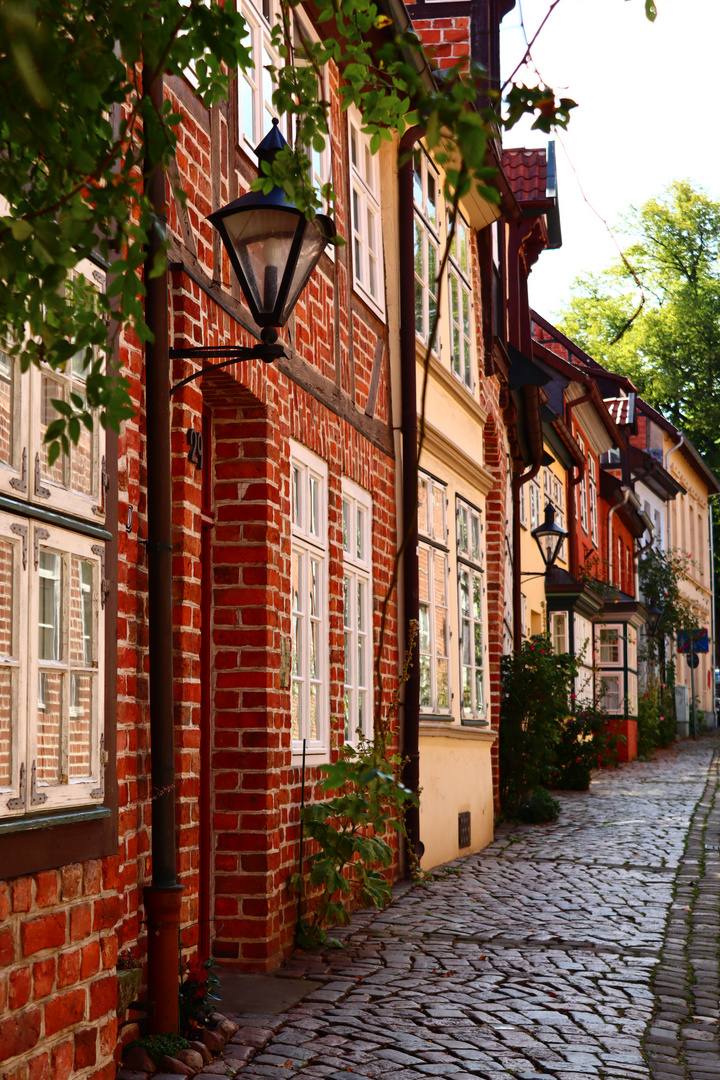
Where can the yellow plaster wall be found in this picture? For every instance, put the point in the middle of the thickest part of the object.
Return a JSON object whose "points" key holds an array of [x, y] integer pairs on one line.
{"points": [[531, 562], [455, 776], [698, 588]]}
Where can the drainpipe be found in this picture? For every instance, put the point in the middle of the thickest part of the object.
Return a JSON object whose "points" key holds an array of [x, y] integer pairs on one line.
{"points": [[712, 612], [626, 495], [162, 897], [409, 427]]}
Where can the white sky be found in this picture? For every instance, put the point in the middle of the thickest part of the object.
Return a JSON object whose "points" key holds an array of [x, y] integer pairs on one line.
{"points": [[647, 115]]}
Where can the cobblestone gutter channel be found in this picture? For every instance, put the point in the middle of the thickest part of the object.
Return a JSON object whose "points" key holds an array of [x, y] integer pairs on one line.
{"points": [[683, 1038], [585, 949]]}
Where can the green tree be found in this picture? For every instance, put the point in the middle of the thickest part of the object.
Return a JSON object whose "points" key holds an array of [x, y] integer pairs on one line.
{"points": [[77, 131], [669, 345]]}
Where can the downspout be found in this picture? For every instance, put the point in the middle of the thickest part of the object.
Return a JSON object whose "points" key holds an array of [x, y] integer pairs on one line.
{"points": [[572, 484], [668, 543], [409, 426], [712, 612], [616, 506], [163, 897]]}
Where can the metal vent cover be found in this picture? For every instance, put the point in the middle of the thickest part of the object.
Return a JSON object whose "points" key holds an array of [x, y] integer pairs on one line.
{"points": [[464, 829]]}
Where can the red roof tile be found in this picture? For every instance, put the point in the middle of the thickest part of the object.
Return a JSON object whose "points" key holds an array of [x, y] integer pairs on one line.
{"points": [[526, 172]]}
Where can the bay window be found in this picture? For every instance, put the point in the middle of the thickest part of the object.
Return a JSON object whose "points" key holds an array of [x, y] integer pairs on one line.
{"points": [[616, 660]]}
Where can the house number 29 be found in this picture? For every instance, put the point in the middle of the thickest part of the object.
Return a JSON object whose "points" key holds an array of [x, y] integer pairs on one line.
{"points": [[195, 442]]}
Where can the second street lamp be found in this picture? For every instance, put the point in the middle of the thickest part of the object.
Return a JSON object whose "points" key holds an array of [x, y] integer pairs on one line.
{"points": [[549, 537], [273, 249]]}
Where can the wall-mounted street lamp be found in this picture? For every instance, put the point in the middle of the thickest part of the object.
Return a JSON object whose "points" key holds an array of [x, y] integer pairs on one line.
{"points": [[273, 249], [655, 614], [549, 537]]}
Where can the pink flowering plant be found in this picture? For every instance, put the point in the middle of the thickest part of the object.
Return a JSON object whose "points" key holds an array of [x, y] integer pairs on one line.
{"points": [[198, 994]]}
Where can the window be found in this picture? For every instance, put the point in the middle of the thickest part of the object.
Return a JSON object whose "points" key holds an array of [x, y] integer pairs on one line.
{"points": [[547, 484], [523, 507], [365, 214], [471, 587], [592, 474], [582, 486], [611, 696], [309, 680], [434, 634], [559, 631], [52, 596], [427, 225], [610, 646], [357, 611], [535, 511], [523, 615], [558, 498], [461, 305], [255, 86]]}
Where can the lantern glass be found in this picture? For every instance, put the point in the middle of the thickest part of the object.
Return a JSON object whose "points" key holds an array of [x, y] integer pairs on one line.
{"points": [[263, 241], [313, 245]]}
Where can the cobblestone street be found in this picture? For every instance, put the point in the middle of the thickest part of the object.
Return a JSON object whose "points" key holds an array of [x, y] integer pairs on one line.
{"points": [[584, 949]]}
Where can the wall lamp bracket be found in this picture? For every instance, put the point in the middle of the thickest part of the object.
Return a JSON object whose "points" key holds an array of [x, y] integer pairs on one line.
{"points": [[229, 356]]}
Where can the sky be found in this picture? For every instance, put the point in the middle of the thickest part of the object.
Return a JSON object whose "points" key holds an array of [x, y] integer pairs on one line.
{"points": [[647, 115]]}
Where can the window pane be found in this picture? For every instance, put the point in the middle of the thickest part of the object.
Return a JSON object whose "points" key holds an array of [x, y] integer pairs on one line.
{"points": [[314, 649], [475, 535], [425, 692], [296, 496], [346, 530], [49, 615], [82, 636], [80, 725], [361, 533], [431, 198], [438, 513], [443, 696], [313, 713], [6, 712], [51, 390], [50, 690], [295, 710], [417, 185], [8, 384], [464, 594], [361, 601], [422, 507], [463, 530], [82, 459], [424, 574], [314, 588], [314, 506], [477, 599]]}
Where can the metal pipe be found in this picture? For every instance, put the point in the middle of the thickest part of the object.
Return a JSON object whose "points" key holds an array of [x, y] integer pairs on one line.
{"points": [[163, 896], [409, 426]]}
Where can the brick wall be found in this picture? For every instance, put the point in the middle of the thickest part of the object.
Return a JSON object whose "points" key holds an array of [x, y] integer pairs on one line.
{"points": [[58, 987]]}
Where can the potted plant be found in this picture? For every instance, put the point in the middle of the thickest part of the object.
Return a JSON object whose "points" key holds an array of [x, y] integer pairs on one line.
{"points": [[129, 975]]}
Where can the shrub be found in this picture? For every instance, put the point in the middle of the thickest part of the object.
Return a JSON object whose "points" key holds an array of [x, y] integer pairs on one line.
{"points": [[158, 1046], [536, 685], [540, 808], [584, 744]]}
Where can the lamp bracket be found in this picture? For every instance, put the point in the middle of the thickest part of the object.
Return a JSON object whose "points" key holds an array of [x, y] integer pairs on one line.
{"points": [[229, 356]]}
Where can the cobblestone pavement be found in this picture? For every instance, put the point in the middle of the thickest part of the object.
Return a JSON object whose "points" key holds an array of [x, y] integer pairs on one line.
{"points": [[584, 949]]}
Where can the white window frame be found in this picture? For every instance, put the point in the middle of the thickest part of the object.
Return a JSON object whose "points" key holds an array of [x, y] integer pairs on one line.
{"points": [[426, 181], [309, 541], [558, 500], [603, 662], [365, 216], [256, 83], [435, 495], [358, 636], [25, 475], [592, 478], [559, 631], [27, 792], [611, 699], [470, 566], [535, 503], [462, 351]]}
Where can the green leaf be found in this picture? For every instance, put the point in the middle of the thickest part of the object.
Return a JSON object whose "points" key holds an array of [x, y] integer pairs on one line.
{"points": [[21, 230], [650, 10]]}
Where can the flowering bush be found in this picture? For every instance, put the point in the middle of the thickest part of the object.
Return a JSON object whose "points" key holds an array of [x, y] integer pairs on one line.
{"points": [[584, 744], [198, 986], [536, 687]]}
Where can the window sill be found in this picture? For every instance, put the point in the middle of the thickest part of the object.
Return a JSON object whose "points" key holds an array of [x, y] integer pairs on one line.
{"points": [[49, 821]]}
